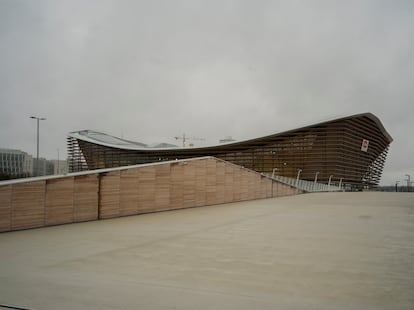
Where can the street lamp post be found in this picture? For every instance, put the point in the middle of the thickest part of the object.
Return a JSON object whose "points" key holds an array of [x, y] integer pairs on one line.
{"points": [[57, 172], [408, 182], [37, 149]]}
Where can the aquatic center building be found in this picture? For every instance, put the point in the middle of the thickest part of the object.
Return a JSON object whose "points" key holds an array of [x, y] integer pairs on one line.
{"points": [[351, 150]]}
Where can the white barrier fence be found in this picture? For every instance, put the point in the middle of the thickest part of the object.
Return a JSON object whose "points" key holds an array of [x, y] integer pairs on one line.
{"points": [[307, 186]]}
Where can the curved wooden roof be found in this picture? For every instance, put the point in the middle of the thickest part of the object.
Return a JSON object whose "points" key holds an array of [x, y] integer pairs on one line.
{"points": [[115, 142]]}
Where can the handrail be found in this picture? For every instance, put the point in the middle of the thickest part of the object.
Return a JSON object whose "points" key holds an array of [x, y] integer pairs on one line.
{"points": [[307, 186]]}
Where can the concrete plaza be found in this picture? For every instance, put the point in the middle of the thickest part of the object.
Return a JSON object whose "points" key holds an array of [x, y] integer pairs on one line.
{"points": [[311, 251]]}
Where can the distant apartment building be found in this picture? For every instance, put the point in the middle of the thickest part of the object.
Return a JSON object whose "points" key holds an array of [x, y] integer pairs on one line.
{"points": [[15, 163]]}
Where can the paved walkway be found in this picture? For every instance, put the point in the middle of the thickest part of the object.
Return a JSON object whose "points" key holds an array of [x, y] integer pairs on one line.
{"points": [[312, 251]]}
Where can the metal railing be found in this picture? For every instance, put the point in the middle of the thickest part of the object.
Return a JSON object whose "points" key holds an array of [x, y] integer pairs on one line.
{"points": [[307, 186]]}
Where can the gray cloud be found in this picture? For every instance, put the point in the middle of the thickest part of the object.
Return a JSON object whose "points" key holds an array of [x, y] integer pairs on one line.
{"points": [[152, 70]]}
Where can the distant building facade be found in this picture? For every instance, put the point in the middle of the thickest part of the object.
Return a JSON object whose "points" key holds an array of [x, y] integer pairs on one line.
{"points": [[19, 164], [43, 167], [15, 163], [350, 151], [59, 166]]}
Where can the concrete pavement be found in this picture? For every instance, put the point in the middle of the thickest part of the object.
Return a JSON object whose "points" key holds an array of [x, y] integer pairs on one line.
{"points": [[312, 251]]}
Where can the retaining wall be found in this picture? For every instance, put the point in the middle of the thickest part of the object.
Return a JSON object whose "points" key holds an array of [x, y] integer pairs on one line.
{"points": [[110, 193]]}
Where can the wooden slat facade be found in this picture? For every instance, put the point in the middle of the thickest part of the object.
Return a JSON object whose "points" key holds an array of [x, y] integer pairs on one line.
{"points": [[129, 191], [28, 205], [86, 197], [5, 207], [59, 201], [128, 203], [330, 148], [109, 195]]}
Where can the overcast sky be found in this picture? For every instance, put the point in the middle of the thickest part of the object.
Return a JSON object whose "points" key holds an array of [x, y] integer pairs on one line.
{"points": [[151, 70]]}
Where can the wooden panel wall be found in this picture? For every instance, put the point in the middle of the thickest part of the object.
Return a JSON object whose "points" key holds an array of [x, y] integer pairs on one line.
{"points": [[5, 207], [237, 173], [280, 190], [109, 195], [229, 183], [28, 205], [59, 201], [128, 203], [200, 182], [177, 185], [161, 196], [146, 189], [189, 186], [220, 181], [211, 179], [85, 198], [164, 186]]}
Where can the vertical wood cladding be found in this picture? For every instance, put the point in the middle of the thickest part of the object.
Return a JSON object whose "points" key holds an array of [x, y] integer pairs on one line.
{"points": [[109, 202], [135, 190], [5, 207], [28, 205], [128, 201], [85, 197], [181, 184], [332, 149], [59, 201]]}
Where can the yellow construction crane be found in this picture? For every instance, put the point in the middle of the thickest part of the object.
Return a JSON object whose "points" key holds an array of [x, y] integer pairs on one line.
{"points": [[184, 138]]}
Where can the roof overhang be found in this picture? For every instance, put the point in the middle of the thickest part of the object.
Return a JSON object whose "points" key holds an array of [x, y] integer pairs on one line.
{"points": [[88, 136]]}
